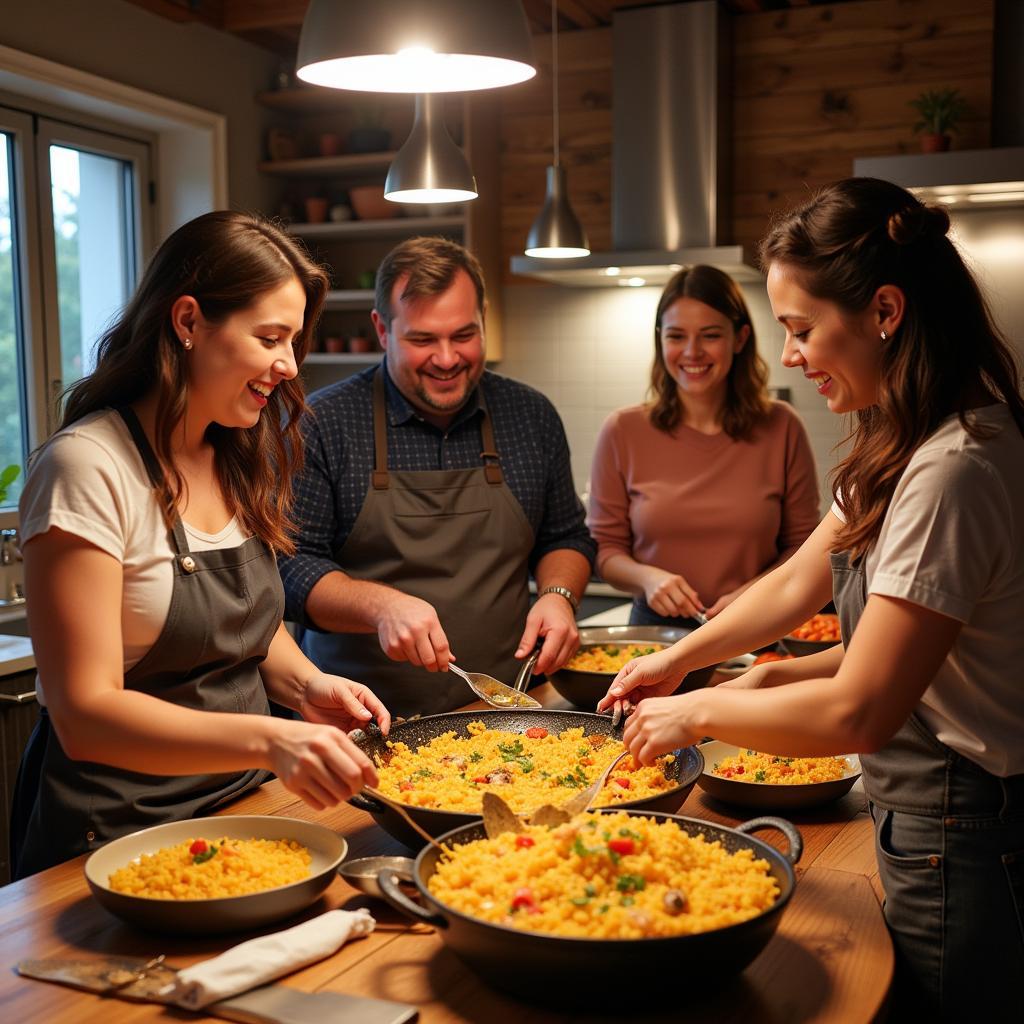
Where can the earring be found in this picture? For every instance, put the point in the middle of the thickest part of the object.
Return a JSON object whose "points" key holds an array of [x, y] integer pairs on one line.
{"points": [[884, 336], [187, 342]]}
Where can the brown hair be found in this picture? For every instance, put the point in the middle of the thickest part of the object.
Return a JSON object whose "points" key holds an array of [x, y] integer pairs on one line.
{"points": [[848, 241], [431, 263], [224, 260], [746, 399]]}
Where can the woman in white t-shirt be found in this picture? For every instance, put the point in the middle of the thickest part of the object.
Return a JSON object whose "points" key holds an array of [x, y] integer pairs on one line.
{"points": [[150, 525], [923, 551]]}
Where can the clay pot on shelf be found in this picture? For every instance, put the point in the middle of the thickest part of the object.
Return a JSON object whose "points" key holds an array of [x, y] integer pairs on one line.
{"points": [[933, 142], [369, 203], [333, 343], [359, 343], [329, 144], [316, 210], [281, 145]]}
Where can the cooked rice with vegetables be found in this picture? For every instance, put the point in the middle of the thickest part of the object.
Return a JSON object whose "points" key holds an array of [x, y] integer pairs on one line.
{"points": [[750, 766], [198, 869], [605, 876], [609, 657], [527, 769]]}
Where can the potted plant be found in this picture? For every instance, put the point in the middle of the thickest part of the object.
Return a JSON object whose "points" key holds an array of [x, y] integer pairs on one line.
{"points": [[7, 477], [369, 135], [940, 111]]}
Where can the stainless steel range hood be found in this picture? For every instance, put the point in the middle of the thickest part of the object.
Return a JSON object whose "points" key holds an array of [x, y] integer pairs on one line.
{"points": [[967, 179], [670, 152]]}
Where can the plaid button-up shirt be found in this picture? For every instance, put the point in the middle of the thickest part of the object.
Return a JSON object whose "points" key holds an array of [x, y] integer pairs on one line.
{"points": [[339, 459]]}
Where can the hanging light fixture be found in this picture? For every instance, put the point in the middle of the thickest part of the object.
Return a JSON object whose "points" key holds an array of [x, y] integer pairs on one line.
{"points": [[415, 45], [557, 232], [429, 168]]}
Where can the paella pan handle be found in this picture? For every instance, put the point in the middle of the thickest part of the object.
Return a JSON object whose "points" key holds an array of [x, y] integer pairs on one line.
{"points": [[365, 803], [388, 881], [526, 669], [788, 829]]}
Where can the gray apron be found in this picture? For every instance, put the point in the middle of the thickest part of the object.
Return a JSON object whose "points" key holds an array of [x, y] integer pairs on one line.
{"points": [[226, 605], [456, 538], [949, 837]]}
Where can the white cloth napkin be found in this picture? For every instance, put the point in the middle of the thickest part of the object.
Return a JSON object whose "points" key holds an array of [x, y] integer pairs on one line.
{"points": [[261, 960]]}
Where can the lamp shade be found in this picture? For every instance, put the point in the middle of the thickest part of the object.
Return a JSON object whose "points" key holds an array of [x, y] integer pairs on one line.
{"points": [[415, 45], [429, 168], [557, 233]]}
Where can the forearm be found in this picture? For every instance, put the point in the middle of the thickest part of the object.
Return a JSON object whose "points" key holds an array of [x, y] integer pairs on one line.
{"points": [[563, 568], [339, 604], [823, 664], [286, 670], [138, 732], [808, 718], [626, 573]]}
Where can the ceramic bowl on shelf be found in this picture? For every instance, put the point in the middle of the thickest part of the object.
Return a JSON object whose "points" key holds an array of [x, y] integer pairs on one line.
{"points": [[368, 203]]}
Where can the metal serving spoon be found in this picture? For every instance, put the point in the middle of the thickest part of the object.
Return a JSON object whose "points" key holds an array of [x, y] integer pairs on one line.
{"points": [[493, 692]]}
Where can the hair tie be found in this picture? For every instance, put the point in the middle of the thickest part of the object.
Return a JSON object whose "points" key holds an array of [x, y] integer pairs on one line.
{"points": [[918, 221]]}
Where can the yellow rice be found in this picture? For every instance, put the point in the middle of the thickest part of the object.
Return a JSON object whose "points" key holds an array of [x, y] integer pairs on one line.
{"points": [[577, 888], [240, 866], [778, 770], [609, 657], [444, 773]]}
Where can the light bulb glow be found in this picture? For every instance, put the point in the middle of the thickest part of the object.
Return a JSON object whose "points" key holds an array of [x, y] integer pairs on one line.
{"points": [[557, 254], [612, 271], [431, 195], [416, 69]]}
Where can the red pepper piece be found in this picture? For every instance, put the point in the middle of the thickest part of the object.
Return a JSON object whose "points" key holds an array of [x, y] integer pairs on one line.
{"points": [[199, 846], [624, 783], [524, 841], [405, 785], [523, 898], [740, 769], [623, 845], [536, 733], [480, 778]]}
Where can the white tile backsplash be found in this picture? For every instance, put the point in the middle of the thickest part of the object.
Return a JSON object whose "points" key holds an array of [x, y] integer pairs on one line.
{"points": [[590, 351]]}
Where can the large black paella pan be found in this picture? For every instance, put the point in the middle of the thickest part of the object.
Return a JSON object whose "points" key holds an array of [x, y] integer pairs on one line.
{"points": [[683, 772]]}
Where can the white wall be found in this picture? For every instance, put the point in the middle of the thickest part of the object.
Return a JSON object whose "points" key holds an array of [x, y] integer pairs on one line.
{"points": [[590, 350]]}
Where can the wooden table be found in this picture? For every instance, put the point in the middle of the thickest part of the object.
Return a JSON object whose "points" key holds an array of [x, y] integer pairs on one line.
{"points": [[831, 959]]}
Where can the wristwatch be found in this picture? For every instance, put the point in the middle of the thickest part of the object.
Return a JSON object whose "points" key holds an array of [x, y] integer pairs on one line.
{"points": [[566, 593]]}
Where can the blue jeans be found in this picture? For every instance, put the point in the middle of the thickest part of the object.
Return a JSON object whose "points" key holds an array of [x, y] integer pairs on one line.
{"points": [[954, 905]]}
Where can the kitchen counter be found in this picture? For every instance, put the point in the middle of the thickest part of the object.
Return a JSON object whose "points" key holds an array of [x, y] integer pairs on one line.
{"points": [[830, 961], [16, 655]]}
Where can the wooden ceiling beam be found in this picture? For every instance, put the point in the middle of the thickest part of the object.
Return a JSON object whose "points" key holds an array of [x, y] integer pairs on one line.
{"points": [[207, 12], [254, 15]]}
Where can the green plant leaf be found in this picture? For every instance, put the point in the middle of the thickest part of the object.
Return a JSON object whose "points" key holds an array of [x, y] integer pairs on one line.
{"points": [[9, 475]]}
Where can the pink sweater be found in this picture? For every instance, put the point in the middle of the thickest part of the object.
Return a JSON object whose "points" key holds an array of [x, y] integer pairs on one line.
{"points": [[714, 510]]}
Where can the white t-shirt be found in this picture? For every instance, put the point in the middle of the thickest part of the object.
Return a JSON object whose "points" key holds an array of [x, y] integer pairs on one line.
{"points": [[90, 480], [952, 540]]}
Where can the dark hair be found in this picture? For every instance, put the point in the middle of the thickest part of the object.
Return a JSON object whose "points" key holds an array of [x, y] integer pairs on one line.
{"points": [[431, 263], [746, 399], [843, 245], [225, 261]]}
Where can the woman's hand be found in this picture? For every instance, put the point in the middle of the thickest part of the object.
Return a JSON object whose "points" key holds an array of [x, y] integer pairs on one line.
{"points": [[319, 763], [669, 594], [660, 725], [347, 705], [653, 675]]}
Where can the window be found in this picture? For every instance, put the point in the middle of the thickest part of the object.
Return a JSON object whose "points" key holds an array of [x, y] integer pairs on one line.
{"points": [[71, 242]]}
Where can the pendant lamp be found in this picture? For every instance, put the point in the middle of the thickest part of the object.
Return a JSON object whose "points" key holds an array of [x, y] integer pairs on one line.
{"points": [[557, 232], [415, 46], [429, 168]]}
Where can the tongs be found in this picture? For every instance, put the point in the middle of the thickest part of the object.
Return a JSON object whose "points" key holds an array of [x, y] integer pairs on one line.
{"points": [[496, 693]]}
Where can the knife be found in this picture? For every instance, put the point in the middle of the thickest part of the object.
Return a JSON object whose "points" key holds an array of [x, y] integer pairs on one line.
{"points": [[139, 980]]}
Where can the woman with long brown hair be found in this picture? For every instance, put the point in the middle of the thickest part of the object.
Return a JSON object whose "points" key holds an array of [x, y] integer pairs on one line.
{"points": [[150, 521], [922, 551], [711, 484]]}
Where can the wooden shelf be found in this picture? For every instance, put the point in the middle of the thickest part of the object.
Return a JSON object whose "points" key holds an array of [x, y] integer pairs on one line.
{"points": [[343, 358], [394, 227], [330, 166], [350, 298]]}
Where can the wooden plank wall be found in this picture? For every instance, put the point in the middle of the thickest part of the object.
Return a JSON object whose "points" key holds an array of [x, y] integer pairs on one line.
{"points": [[813, 88]]}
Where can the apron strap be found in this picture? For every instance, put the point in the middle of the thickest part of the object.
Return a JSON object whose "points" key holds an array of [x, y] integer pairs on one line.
{"points": [[379, 477], [156, 476]]}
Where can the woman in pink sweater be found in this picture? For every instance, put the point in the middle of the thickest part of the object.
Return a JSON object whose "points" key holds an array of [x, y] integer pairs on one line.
{"points": [[712, 484]]}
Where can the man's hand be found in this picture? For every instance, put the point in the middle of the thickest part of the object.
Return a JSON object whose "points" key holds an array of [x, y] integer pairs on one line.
{"points": [[409, 630], [334, 700], [669, 594], [551, 618]]}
